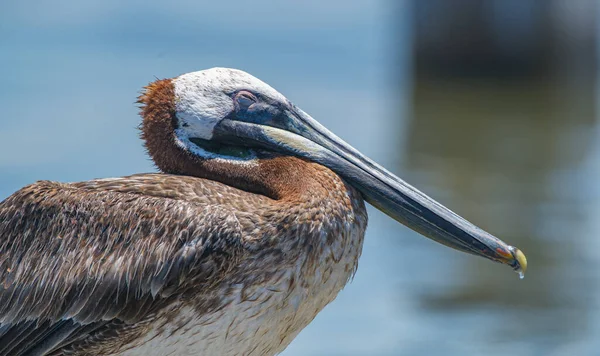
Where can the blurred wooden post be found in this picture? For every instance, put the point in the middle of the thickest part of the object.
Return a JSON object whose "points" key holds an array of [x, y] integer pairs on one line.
{"points": [[504, 38]]}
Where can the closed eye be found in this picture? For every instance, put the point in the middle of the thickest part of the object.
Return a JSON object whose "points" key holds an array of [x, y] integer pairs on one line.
{"points": [[245, 99]]}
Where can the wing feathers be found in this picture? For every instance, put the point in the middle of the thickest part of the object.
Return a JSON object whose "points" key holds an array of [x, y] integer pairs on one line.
{"points": [[71, 256]]}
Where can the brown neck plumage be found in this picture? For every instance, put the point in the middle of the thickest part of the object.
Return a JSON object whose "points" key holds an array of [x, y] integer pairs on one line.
{"points": [[277, 177]]}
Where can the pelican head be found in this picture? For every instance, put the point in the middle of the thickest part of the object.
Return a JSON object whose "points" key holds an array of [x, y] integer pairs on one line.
{"points": [[229, 115]]}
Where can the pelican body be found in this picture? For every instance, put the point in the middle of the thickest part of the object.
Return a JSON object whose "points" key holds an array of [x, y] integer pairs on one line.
{"points": [[255, 224]]}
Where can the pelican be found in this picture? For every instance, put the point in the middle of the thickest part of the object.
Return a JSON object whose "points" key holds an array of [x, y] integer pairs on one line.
{"points": [[253, 225]]}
